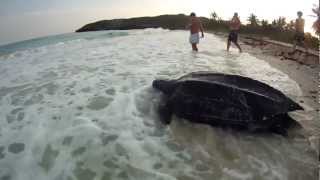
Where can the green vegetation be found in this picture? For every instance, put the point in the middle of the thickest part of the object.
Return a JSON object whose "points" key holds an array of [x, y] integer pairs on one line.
{"points": [[279, 29], [164, 21], [316, 24]]}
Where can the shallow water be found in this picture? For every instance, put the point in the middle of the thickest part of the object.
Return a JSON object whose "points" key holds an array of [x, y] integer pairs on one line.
{"points": [[81, 107]]}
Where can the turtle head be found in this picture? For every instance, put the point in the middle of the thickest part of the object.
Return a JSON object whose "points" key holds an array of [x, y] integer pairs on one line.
{"points": [[165, 86], [294, 106]]}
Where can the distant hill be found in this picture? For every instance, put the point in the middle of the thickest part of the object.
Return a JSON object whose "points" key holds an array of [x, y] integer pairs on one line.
{"points": [[278, 30], [172, 22]]}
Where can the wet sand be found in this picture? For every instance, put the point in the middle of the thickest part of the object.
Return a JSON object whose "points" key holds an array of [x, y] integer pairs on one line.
{"points": [[84, 109], [306, 74]]}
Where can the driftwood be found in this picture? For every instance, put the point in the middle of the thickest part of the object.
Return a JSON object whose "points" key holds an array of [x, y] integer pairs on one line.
{"points": [[285, 50]]}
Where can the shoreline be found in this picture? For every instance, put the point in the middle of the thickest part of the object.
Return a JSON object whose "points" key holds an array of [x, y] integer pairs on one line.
{"points": [[304, 71]]}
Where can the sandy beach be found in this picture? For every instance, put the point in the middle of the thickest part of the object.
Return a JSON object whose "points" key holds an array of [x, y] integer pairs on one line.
{"points": [[303, 71], [82, 105]]}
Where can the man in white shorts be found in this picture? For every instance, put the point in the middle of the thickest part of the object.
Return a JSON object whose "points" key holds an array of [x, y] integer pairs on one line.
{"points": [[195, 27]]}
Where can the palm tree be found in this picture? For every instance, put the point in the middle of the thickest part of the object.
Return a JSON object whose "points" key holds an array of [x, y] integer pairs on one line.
{"points": [[253, 20], [264, 23], [214, 16], [290, 26], [316, 24], [281, 22], [274, 23]]}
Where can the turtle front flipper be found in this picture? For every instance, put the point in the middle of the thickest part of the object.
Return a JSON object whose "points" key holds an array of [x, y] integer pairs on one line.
{"points": [[165, 112]]}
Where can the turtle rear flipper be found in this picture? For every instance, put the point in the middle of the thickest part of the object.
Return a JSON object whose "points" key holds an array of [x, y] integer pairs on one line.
{"points": [[256, 128], [267, 127], [165, 113]]}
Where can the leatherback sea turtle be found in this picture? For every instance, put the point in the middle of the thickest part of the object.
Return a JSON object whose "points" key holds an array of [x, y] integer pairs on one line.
{"points": [[226, 100]]}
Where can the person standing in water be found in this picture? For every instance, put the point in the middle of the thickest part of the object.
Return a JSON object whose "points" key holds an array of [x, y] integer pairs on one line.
{"points": [[234, 26], [195, 27], [299, 34]]}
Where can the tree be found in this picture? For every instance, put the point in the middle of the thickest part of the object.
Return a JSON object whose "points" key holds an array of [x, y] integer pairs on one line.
{"points": [[316, 24], [264, 23], [214, 16], [279, 23], [290, 26], [274, 23], [253, 20]]}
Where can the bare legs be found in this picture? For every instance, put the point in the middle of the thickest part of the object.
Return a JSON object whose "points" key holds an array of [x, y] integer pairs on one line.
{"points": [[228, 45], [236, 43], [194, 47], [299, 39], [238, 46], [303, 44]]}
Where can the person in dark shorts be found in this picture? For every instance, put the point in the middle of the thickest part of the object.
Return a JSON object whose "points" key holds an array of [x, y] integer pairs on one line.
{"points": [[234, 26], [299, 34]]}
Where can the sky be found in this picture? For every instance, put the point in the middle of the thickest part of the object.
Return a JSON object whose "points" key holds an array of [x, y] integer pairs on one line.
{"points": [[22, 20]]}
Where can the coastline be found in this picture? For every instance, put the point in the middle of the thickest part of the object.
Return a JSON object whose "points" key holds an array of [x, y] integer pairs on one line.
{"points": [[75, 89], [299, 68]]}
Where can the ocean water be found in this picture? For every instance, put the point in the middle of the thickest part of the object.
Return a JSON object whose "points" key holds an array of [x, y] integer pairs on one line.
{"points": [[81, 107]]}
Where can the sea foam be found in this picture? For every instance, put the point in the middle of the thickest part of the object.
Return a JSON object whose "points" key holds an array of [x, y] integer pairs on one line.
{"points": [[81, 106]]}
